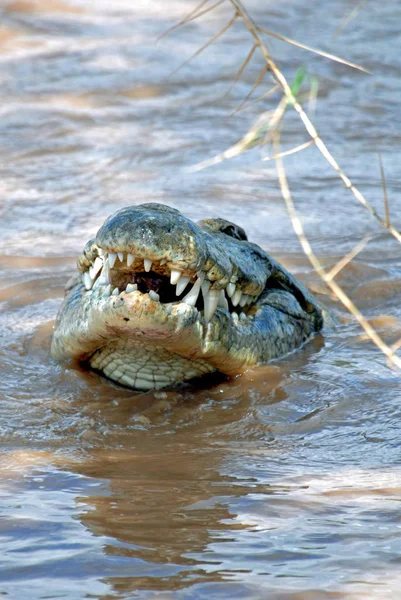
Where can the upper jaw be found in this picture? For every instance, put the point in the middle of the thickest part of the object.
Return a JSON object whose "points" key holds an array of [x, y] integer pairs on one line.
{"points": [[155, 250], [154, 231], [112, 274]]}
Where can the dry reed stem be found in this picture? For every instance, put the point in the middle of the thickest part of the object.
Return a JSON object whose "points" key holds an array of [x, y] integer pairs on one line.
{"points": [[348, 18], [335, 288], [270, 128], [241, 69], [396, 346], [192, 16], [334, 271], [256, 136], [310, 128], [385, 197], [288, 40], [292, 151], [209, 43], [274, 89], [255, 85], [312, 97]]}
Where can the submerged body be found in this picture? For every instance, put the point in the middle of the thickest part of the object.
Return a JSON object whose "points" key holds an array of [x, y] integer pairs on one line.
{"points": [[160, 299]]}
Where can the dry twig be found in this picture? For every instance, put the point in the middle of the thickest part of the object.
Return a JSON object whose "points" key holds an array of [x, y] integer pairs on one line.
{"points": [[327, 277], [194, 14], [209, 43], [255, 85], [288, 40], [242, 68], [292, 151], [272, 90], [348, 18], [385, 197], [310, 128], [334, 271]]}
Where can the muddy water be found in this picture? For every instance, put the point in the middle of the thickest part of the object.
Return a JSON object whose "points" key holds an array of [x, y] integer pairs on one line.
{"points": [[283, 483]]}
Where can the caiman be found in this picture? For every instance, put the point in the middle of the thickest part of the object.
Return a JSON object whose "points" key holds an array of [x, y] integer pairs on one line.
{"points": [[159, 299]]}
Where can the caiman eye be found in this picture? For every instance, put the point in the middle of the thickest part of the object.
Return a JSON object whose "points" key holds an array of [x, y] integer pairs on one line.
{"points": [[234, 231], [231, 229]]}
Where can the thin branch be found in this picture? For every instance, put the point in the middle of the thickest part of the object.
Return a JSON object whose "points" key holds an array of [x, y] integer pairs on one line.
{"points": [[276, 119], [256, 136], [334, 271], [260, 98], [348, 18], [211, 41], [292, 151], [191, 16], [335, 288], [385, 196], [284, 38], [241, 69], [310, 128], [255, 85], [314, 87], [396, 346]]}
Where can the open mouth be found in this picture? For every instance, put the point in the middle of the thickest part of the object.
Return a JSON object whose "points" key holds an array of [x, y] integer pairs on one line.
{"points": [[121, 272]]}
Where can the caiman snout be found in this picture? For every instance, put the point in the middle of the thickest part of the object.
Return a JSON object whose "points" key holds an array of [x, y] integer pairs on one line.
{"points": [[154, 231]]}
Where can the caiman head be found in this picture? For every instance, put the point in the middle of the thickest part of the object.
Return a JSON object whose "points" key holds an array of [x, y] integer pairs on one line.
{"points": [[160, 299]]}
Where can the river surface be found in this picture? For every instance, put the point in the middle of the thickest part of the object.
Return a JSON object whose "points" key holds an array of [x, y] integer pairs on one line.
{"points": [[284, 483]]}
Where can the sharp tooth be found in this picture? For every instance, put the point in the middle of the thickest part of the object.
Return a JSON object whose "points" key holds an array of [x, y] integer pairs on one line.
{"points": [[131, 287], [107, 290], [230, 289], [115, 292], [223, 300], [205, 288], [147, 264], [244, 300], [104, 277], [96, 284], [112, 259], [86, 278], [130, 259], [174, 277], [211, 302], [242, 316], [236, 297], [120, 256], [181, 285], [96, 267], [154, 296], [163, 261], [193, 294], [235, 318]]}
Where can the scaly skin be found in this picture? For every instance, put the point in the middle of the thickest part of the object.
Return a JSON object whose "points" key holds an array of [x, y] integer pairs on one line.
{"points": [[150, 337]]}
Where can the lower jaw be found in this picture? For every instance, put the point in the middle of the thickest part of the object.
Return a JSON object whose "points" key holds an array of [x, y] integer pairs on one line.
{"points": [[144, 366]]}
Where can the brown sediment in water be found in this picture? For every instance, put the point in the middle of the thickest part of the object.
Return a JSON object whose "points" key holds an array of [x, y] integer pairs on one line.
{"points": [[281, 483]]}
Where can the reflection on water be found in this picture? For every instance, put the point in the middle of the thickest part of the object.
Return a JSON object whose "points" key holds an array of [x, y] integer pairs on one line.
{"points": [[282, 483]]}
